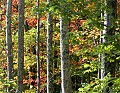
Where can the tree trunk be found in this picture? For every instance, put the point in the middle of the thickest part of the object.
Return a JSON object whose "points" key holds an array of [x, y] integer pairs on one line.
{"points": [[20, 45], [9, 43], [50, 88], [37, 49], [109, 30], [64, 52], [100, 41]]}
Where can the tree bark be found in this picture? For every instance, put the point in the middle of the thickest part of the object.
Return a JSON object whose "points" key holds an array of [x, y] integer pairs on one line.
{"points": [[9, 43], [38, 49], [64, 53], [109, 30], [20, 45], [50, 87]]}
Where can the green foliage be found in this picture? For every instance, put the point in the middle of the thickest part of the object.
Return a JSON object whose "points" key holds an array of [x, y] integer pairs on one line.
{"points": [[30, 38], [100, 86], [4, 83]]}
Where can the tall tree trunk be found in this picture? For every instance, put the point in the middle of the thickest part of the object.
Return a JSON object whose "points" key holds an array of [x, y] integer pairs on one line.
{"points": [[109, 30], [64, 52], [49, 53], [9, 42], [20, 45], [37, 49], [100, 41]]}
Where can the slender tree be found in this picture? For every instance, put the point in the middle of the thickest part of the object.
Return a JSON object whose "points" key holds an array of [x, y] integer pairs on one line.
{"points": [[20, 45], [9, 42], [109, 30], [100, 41], [37, 49], [49, 53], [64, 52]]}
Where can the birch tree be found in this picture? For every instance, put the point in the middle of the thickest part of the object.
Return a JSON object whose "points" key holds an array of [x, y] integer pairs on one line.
{"points": [[64, 51], [20, 45], [9, 42], [37, 49], [49, 53], [109, 30]]}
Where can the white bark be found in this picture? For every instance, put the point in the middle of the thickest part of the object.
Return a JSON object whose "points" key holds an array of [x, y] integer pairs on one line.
{"points": [[108, 67], [108, 31], [64, 52], [37, 49]]}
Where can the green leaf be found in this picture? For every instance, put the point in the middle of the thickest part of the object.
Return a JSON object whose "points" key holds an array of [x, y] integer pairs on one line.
{"points": [[86, 65]]}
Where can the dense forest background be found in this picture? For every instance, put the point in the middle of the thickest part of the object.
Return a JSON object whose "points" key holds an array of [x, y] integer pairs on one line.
{"points": [[59, 46]]}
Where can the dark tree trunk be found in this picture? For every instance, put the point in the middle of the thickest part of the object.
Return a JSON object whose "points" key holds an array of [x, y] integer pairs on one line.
{"points": [[50, 86], [64, 52], [9, 42], [20, 45]]}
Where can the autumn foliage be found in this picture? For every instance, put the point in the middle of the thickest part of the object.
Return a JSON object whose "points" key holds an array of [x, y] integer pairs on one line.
{"points": [[83, 42]]}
